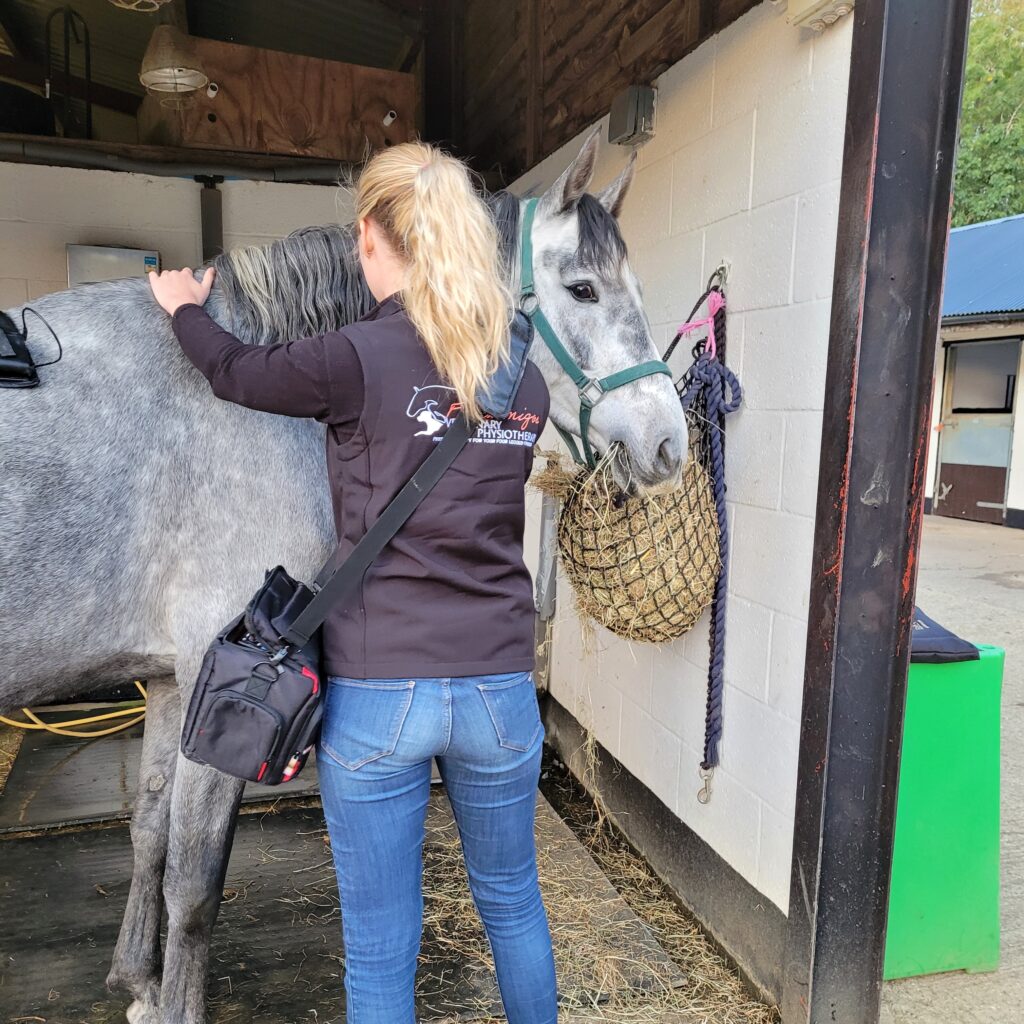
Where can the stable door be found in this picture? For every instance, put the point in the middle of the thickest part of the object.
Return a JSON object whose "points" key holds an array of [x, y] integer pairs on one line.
{"points": [[977, 429]]}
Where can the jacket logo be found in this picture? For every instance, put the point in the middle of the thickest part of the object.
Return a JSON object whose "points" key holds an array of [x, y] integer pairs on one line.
{"points": [[434, 406]]}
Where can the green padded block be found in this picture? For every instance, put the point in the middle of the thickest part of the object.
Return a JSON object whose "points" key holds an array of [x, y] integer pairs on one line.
{"points": [[944, 895]]}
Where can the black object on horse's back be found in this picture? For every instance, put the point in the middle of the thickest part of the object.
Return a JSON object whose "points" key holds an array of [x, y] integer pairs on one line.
{"points": [[17, 370]]}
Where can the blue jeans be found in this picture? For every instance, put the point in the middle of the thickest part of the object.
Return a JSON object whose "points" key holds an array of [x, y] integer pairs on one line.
{"points": [[378, 738]]}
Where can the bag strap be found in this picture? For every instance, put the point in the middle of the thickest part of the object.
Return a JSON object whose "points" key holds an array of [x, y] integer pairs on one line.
{"points": [[350, 572]]}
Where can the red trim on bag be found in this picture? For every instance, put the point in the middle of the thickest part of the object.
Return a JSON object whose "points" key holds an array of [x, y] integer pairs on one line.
{"points": [[263, 769], [310, 674]]}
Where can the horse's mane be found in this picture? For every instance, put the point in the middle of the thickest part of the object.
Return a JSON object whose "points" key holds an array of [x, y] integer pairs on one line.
{"points": [[309, 282], [306, 283]]}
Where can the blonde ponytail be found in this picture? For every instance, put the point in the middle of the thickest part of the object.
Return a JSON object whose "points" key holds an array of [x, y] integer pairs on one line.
{"points": [[455, 294]]}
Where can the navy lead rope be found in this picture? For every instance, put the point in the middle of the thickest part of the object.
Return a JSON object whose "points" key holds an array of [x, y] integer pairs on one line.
{"points": [[713, 391]]}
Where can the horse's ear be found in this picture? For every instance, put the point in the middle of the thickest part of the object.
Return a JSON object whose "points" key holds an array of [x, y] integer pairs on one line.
{"points": [[566, 192], [612, 197]]}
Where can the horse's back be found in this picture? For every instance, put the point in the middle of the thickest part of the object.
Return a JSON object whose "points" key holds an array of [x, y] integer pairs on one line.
{"points": [[131, 499]]}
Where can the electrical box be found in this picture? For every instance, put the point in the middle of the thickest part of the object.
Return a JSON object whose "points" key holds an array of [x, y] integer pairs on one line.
{"points": [[631, 119], [90, 263]]}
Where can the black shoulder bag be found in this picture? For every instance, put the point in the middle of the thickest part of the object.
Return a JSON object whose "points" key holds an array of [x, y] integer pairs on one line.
{"points": [[256, 708]]}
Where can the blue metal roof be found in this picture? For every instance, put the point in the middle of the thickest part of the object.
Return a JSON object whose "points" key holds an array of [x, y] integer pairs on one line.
{"points": [[985, 268]]}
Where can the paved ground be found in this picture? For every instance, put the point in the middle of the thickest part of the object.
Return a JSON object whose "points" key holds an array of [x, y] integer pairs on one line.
{"points": [[972, 581]]}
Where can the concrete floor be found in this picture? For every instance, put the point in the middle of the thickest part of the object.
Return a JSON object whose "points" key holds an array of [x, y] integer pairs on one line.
{"points": [[972, 581]]}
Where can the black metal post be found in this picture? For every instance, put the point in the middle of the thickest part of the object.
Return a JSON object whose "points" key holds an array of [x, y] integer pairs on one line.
{"points": [[904, 97], [211, 217]]}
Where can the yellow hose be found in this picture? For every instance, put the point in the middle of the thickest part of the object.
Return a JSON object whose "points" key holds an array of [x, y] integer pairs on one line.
{"points": [[64, 728]]}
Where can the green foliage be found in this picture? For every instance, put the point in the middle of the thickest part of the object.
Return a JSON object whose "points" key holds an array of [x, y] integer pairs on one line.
{"points": [[990, 162]]}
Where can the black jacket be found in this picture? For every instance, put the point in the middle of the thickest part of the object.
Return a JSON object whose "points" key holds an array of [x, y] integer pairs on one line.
{"points": [[450, 596]]}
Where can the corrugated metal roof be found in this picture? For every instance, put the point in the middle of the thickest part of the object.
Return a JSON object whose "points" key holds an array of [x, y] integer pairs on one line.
{"points": [[985, 268]]}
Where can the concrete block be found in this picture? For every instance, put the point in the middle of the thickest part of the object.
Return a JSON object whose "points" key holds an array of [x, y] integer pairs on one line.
{"points": [[759, 244], [678, 695], [799, 138], [800, 464], [785, 353], [650, 751], [13, 292], [776, 854], [276, 208], [747, 641], [671, 274], [683, 113], [730, 823], [758, 55], [647, 214], [37, 289], [754, 455], [760, 747], [91, 198], [786, 665], [817, 221], [711, 176], [771, 559]]}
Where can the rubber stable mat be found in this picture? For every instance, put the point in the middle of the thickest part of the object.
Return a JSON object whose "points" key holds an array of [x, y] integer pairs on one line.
{"points": [[60, 780], [277, 953]]}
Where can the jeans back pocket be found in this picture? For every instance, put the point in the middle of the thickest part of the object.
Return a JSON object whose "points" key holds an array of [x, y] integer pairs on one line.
{"points": [[364, 718], [512, 705]]}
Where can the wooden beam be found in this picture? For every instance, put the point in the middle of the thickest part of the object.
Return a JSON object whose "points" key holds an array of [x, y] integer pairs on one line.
{"points": [[675, 21], [439, 67], [534, 81], [142, 159], [406, 7], [7, 44], [29, 73]]}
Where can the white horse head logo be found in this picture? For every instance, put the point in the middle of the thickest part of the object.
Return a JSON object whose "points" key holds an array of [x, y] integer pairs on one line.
{"points": [[426, 407]]}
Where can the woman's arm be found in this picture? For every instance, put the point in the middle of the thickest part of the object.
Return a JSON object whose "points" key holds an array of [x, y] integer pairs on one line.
{"points": [[292, 379]]}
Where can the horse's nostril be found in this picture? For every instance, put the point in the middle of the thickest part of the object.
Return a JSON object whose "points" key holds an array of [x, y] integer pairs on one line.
{"points": [[670, 454]]}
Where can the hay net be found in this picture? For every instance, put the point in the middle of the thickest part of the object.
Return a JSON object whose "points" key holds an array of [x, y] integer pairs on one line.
{"points": [[643, 567]]}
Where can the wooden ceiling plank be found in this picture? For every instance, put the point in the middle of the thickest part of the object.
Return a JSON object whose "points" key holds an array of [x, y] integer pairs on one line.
{"points": [[9, 47]]}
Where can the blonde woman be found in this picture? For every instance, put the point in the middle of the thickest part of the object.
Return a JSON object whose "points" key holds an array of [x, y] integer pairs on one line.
{"points": [[433, 656]]}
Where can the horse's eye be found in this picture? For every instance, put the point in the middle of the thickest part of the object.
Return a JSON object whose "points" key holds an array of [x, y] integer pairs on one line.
{"points": [[583, 292]]}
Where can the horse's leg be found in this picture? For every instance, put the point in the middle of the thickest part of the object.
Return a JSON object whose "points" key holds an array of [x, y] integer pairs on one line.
{"points": [[136, 963], [203, 810]]}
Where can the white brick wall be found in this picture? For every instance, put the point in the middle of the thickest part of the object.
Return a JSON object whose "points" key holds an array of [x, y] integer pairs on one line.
{"points": [[42, 209], [745, 166]]}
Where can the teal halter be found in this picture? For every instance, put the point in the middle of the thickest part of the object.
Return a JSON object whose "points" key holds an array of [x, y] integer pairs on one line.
{"points": [[590, 389]]}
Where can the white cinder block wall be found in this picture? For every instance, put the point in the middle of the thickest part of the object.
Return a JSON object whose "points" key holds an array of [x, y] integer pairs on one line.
{"points": [[42, 209], [744, 166]]}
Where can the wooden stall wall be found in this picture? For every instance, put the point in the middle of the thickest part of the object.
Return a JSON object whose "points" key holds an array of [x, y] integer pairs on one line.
{"points": [[536, 72]]}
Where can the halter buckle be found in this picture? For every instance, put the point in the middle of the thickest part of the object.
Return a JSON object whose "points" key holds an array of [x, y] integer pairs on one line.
{"points": [[594, 386], [529, 303]]}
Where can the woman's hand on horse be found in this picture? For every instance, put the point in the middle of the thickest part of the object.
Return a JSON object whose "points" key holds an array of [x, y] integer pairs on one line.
{"points": [[173, 289]]}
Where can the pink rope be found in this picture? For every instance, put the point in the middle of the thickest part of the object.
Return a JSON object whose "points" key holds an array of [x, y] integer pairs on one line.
{"points": [[715, 303]]}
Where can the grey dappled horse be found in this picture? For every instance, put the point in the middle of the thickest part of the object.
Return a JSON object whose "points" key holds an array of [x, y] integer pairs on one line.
{"points": [[139, 513]]}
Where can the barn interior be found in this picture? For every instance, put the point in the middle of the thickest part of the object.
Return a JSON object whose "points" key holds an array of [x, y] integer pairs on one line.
{"points": [[299, 93]]}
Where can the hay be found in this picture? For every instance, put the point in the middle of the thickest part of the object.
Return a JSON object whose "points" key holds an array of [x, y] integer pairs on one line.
{"points": [[643, 567], [10, 743]]}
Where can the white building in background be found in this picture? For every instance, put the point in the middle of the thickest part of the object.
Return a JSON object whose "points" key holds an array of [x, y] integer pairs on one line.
{"points": [[976, 461]]}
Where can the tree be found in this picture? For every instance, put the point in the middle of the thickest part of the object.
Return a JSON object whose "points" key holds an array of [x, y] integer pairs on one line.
{"points": [[990, 162]]}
